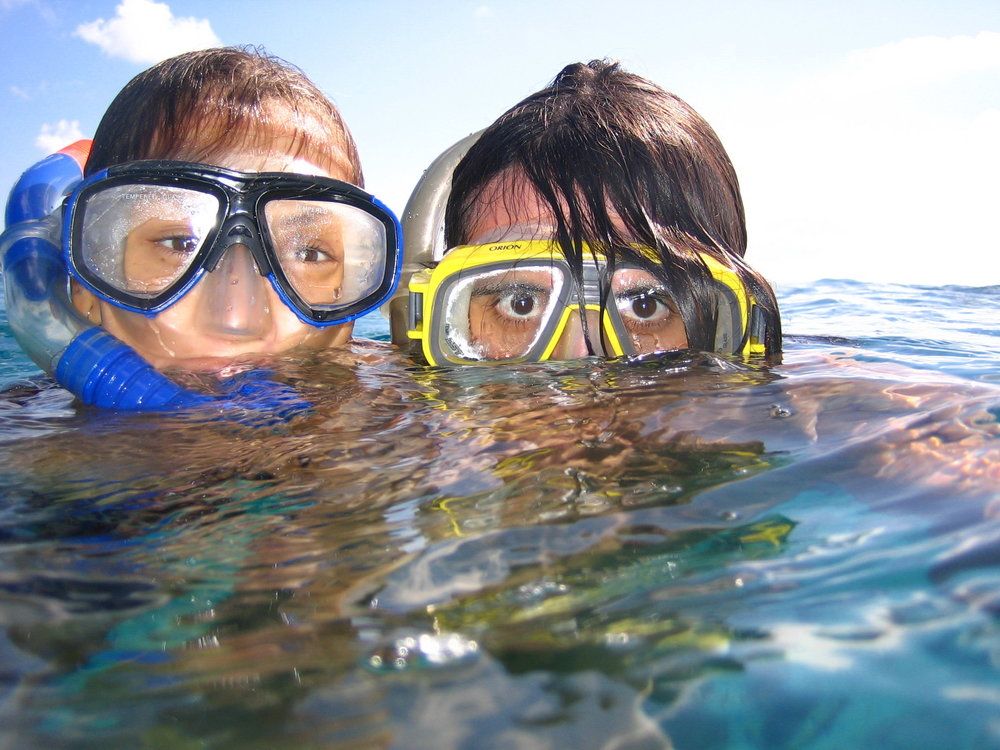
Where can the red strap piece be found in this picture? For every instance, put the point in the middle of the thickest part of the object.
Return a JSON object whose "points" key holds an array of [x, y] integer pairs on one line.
{"points": [[79, 151]]}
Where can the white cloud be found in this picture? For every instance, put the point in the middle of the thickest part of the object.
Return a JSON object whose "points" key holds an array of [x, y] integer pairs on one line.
{"points": [[145, 31], [881, 168], [917, 62], [51, 138], [19, 92]]}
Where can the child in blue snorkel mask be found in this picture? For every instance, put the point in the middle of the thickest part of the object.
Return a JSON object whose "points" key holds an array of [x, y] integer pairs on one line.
{"points": [[221, 215], [600, 215]]}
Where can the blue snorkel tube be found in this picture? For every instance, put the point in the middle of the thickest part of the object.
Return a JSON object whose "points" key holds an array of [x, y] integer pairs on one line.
{"points": [[83, 358]]}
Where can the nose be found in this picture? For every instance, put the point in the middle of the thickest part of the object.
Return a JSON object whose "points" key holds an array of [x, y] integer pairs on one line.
{"points": [[234, 296], [572, 343]]}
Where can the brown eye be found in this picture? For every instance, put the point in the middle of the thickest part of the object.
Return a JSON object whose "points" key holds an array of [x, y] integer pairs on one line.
{"points": [[522, 305], [181, 245], [644, 307], [311, 255]]}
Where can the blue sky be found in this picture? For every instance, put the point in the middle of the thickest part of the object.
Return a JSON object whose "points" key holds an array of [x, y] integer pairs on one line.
{"points": [[866, 134]]}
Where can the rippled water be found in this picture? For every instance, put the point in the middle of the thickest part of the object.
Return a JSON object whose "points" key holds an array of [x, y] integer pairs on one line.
{"points": [[680, 552]]}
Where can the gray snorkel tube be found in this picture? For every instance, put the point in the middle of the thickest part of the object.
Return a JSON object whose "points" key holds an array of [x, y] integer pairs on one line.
{"points": [[85, 359], [423, 231]]}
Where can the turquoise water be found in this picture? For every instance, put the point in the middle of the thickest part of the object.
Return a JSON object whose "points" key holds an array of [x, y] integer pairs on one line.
{"points": [[681, 552]]}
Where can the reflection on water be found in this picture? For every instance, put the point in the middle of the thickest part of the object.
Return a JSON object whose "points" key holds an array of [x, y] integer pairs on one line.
{"points": [[680, 551]]}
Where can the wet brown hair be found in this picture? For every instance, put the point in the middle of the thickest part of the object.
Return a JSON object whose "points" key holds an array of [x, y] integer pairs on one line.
{"points": [[619, 161], [199, 103]]}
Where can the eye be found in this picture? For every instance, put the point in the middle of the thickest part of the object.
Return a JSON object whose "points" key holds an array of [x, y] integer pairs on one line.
{"points": [[311, 254], [645, 307], [181, 244], [518, 303], [512, 300]]}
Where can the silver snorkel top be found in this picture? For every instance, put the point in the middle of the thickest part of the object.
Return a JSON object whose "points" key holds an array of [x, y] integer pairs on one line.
{"points": [[423, 230]]}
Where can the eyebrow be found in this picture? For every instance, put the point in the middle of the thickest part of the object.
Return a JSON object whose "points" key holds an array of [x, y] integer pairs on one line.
{"points": [[487, 289]]}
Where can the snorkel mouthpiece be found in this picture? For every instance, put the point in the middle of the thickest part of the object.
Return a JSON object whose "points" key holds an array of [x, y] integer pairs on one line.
{"points": [[102, 371]]}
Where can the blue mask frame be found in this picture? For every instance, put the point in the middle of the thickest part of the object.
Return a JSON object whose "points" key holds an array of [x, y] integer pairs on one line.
{"points": [[241, 197]]}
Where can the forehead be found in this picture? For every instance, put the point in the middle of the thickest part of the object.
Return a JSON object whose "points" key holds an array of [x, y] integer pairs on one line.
{"points": [[504, 203], [299, 144], [274, 157], [509, 207]]}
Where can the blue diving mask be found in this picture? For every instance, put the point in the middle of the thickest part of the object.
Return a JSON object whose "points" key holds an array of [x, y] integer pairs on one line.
{"points": [[141, 235]]}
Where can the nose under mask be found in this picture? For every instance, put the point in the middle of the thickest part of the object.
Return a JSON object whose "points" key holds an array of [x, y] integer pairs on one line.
{"points": [[572, 343], [233, 297]]}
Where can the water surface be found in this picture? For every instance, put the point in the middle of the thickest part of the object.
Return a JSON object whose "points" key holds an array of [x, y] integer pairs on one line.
{"points": [[683, 551]]}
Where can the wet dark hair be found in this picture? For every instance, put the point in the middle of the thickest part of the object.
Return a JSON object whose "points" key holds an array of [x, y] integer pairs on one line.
{"points": [[600, 143], [199, 103]]}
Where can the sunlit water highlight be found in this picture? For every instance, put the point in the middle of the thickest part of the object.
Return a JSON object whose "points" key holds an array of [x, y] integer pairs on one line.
{"points": [[682, 552]]}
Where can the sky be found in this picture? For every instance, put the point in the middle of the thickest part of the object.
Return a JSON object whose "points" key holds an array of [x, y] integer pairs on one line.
{"points": [[866, 133]]}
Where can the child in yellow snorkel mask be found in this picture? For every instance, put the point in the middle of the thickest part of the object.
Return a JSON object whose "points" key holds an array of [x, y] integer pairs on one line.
{"points": [[600, 215]]}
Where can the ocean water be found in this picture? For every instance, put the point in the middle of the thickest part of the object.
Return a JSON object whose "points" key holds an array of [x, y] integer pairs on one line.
{"points": [[683, 551]]}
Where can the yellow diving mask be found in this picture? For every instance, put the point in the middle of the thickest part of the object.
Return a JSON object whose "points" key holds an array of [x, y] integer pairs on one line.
{"points": [[514, 302]]}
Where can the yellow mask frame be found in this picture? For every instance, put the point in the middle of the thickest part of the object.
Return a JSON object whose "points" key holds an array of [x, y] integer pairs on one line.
{"points": [[432, 294]]}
